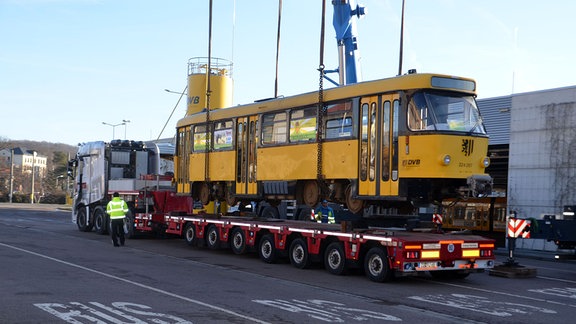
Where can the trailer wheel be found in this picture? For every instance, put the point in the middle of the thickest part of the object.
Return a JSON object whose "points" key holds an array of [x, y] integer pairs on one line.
{"points": [[299, 256], [335, 259], [376, 265], [100, 220], [212, 237], [82, 220], [190, 234], [238, 244], [267, 249]]}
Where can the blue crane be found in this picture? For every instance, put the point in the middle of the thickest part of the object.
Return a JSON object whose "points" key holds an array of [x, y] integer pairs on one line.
{"points": [[346, 13]]}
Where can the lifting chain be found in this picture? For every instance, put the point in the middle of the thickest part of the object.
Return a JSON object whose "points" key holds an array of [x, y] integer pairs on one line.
{"points": [[321, 111], [320, 117]]}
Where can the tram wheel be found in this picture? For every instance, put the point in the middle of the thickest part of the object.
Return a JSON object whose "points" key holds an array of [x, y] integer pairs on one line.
{"points": [[204, 193], [311, 193], [354, 205], [231, 199]]}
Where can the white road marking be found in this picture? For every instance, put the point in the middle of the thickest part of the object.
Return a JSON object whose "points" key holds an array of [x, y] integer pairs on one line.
{"points": [[160, 291], [561, 292], [482, 305], [327, 311], [540, 300], [78, 313]]}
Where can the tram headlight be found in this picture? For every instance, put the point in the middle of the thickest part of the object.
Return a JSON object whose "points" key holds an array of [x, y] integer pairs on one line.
{"points": [[446, 159], [486, 162]]}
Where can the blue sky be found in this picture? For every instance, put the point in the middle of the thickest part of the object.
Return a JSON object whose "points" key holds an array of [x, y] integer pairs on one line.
{"points": [[66, 66]]}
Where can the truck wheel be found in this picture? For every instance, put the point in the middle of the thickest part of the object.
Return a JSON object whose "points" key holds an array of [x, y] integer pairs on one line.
{"points": [[212, 237], [299, 256], [82, 220], [129, 225], [190, 234], [335, 259], [267, 249], [238, 243], [376, 265], [100, 220]]}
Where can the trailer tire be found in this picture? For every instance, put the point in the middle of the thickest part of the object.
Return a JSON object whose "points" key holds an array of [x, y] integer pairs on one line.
{"points": [[267, 249], [299, 256], [238, 241], [100, 220], [376, 265], [212, 237], [190, 234], [82, 220], [335, 259]]}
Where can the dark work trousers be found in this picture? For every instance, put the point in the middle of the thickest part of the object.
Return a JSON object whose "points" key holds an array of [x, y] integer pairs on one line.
{"points": [[117, 231]]}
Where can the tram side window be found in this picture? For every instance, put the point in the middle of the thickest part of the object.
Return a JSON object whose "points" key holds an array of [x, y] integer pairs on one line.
{"points": [[199, 138], [339, 120], [419, 117], [274, 128], [223, 135], [303, 125]]}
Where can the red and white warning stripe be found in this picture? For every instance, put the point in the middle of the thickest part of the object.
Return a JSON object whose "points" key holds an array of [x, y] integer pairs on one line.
{"points": [[437, 219], [516, 228]]}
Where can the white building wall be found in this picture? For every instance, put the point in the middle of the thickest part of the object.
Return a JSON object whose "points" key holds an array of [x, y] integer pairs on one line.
{"points": [[542, 164]]}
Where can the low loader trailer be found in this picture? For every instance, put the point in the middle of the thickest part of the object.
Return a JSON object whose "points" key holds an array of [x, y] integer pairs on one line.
{"points": [[382, 253]]}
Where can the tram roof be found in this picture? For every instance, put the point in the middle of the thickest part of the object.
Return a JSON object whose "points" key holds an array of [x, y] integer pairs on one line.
{"points": [[367, 88]]}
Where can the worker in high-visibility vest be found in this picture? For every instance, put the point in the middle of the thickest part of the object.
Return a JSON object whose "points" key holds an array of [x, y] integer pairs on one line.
{"points": [[117, 209], [325, 213]]}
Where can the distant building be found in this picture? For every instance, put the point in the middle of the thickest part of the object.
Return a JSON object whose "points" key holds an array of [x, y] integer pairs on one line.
{"points": [[24, 161]]}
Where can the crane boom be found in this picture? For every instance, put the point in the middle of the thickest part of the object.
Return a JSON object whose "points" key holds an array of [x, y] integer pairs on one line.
{"points": [[346, 13]]}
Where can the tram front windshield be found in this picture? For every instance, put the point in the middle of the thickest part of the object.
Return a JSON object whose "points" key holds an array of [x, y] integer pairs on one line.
{"points": [[428, 111]]}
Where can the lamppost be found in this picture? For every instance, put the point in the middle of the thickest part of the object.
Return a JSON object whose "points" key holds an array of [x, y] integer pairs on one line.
{"points": [[176, 92], [113, 128], [125, 122], [33, 173], [11, 174], [182, 94]]}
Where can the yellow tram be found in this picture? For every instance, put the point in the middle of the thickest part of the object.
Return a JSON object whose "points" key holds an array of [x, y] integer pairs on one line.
{"points": [[393, 143], [485, 214]]}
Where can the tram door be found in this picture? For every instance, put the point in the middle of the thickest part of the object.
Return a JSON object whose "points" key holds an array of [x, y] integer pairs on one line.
{"points": [[246, 138], [182, 159], [378, 146]]}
